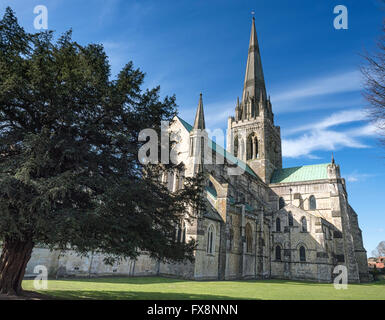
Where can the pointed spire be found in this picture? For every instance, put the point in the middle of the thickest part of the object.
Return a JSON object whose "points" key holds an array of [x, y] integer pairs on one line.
{"points": [[254, 79], [199, 122], [333, 162]]}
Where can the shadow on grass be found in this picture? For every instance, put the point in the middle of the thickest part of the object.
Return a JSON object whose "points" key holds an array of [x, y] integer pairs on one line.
{"points": [[131, 295]]}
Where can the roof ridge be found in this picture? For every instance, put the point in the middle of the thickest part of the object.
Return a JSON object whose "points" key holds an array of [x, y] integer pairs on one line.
{"points": [[306, 165]]}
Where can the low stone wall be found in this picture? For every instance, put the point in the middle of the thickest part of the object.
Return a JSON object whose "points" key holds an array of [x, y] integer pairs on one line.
{"points": [[70, 264]]}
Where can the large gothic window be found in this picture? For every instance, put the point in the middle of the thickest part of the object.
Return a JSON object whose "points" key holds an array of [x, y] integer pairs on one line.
{"points": [[302, 254], [278, 225], [249, 239], [211, 239], [312, 203], [255, 148], [252, 147], [278, 253]]}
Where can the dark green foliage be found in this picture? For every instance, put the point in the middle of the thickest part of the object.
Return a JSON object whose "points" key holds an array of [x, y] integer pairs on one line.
{"points": [[69, 169]]}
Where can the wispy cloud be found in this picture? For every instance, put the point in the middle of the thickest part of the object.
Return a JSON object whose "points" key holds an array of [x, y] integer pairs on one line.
{"points": [[357, 177], [306, 95], [337, 83], [319, 136], [335, 119]]}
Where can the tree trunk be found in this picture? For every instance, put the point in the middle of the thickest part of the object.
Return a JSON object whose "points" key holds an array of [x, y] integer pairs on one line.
{"points": [[13, 262]]}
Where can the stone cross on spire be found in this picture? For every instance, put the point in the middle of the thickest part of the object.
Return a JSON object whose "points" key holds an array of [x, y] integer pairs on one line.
{"points": [[254, 80]]}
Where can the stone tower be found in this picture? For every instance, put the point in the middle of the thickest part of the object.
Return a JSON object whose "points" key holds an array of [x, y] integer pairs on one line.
{"points": [[252, 135]]}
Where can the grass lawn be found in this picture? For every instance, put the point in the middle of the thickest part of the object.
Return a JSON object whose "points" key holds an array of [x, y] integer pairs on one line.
{"points": [[173, 289]]}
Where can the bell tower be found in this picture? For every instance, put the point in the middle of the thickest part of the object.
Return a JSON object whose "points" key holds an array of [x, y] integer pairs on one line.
{"points": [[252, 135]]}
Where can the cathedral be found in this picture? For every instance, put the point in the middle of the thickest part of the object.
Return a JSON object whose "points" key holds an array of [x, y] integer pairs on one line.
{"points": [[261, 221]]}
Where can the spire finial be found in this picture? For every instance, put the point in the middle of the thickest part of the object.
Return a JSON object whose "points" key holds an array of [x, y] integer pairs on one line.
{"points": [[199, 122], [333, 162], [254, 79], [252, 14]]}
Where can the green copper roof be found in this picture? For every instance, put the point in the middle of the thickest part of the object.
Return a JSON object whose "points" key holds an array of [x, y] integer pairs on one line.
{"points": [[303, 173], [218, 149]]}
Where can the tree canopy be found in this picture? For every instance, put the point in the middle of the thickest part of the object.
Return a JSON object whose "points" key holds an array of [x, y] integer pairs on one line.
{"points": [[69, 169]]}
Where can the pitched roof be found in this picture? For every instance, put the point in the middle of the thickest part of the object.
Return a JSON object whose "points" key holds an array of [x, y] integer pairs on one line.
{"points": [[302, 173], [221, 151]]}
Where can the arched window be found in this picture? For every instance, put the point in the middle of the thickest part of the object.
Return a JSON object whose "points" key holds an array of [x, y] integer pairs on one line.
{"points": [[203, 147], [249, 147], [278, 253], [298, 197], [302, 254], [181, 232], [290, 218], [278, 225], [191, 147], [170, 180], [252, 147], [211, 239], [281, 203], [236, 146], [255, 148], [312, 203], [231, 239], [249, 239], [304, 224]]}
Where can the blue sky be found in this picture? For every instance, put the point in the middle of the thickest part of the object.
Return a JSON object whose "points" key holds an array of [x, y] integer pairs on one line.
{"points": [[311, 71]]}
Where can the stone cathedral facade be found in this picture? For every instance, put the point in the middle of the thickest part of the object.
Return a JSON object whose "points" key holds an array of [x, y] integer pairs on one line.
{"points": [[262, 221]]}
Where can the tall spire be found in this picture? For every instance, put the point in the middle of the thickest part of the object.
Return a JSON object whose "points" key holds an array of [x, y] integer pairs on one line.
{"points": [[199, 122], [254, 79]]}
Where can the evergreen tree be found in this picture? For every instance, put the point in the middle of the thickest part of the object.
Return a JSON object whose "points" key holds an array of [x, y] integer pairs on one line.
{"points": [[69, 170]]}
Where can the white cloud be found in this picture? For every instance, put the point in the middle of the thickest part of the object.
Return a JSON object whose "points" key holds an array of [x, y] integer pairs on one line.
{"points": [[356, 177], [319, 137], [325, 140], [337, 83], [334, 119]]}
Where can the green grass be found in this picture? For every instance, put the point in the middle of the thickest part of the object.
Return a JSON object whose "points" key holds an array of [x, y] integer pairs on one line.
{"points": [[173, 289]]}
